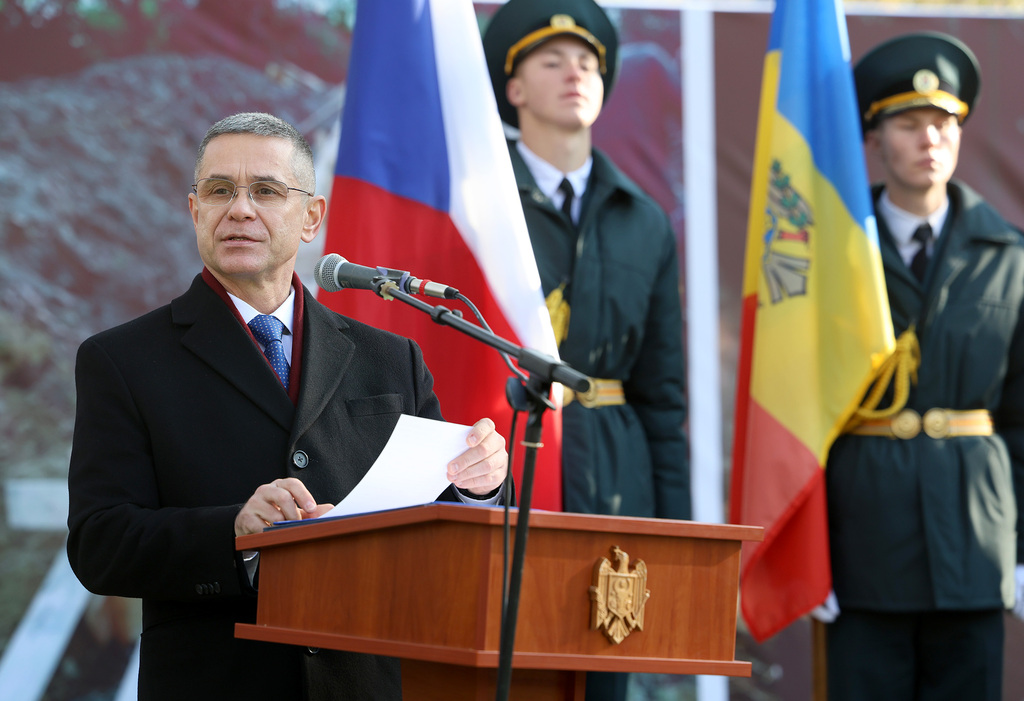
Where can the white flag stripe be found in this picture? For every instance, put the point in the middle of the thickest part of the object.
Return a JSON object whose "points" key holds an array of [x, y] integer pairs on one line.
{"points": [[485, 204]]}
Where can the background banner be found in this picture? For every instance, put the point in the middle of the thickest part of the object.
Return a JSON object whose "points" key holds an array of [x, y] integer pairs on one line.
{"points": [[102, 107]]}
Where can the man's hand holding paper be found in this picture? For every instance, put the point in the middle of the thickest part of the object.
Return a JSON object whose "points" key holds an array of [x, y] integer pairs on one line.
{"points": [[482, 468], [421, 458]]}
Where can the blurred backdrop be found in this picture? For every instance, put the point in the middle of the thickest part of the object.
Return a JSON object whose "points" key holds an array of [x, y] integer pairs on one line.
{"points": [[102, 106]]}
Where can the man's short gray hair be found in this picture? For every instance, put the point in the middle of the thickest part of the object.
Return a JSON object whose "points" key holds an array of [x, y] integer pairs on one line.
{"points": [[263, 124]]}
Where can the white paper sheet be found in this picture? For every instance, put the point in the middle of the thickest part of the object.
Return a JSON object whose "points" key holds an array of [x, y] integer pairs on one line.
{"points": [[411, 470]]}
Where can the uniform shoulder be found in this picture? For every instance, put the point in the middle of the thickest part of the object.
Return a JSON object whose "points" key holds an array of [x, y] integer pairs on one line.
{"points": [[981, 218], [606, 170]]}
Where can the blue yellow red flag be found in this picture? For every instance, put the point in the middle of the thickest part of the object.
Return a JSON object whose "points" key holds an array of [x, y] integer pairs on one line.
{"points": [[815, 323], [424, 183]]}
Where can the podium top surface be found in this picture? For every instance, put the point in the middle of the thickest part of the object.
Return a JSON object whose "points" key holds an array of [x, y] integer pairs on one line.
{"points": [[313, 529]]}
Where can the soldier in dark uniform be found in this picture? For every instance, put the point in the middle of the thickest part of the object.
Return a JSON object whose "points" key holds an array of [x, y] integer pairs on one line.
{"points": [[922, 515], [608, 266]]}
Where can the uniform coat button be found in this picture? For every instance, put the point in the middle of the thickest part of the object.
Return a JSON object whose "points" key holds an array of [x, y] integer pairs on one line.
{"points": [[300, 459]]}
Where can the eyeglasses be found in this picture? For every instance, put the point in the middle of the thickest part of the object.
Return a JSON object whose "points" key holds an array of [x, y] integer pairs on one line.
{"points": [[265, 193]]}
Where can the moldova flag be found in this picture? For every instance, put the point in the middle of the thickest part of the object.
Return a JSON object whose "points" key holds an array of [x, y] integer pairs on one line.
{"points": [[815, 323], [424, 183]]}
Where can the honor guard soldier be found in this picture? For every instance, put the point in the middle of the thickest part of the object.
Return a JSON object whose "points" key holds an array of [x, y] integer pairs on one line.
{"points": [[608, 266], [922, 514]]}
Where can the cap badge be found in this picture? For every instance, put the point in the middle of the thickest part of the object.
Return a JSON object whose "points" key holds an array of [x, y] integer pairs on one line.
{"points": [[562, 22], [925, 81]]}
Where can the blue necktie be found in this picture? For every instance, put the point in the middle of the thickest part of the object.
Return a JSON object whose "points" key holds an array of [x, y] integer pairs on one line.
{"points": [[267, 330]]}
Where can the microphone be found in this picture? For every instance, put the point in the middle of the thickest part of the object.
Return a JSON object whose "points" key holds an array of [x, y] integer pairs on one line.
{"points": [[333, 273]]}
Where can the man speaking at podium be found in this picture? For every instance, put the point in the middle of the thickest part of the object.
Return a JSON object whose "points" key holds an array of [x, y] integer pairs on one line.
{"points": [[242, 403]]}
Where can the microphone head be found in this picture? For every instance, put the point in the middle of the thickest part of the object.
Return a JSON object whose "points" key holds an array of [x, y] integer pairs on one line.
{"points": [[325, 272]]}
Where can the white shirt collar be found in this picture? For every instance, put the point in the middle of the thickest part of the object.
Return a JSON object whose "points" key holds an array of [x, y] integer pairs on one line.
{"points": [[902, 224], [285, 313], [548, 177]]}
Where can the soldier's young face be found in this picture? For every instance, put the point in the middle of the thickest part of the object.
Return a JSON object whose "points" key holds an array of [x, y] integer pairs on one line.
{"points": [[558, 84], [918, 148]]}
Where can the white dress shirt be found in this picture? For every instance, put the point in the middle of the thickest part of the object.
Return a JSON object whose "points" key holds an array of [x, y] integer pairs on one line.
{"points": [[548, 178], [902, 225]]}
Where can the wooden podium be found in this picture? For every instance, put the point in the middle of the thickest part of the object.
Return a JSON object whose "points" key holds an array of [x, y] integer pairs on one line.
{"points": [[425, 584]]}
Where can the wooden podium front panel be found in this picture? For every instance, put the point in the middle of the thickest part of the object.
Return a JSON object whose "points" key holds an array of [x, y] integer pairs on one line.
{"points": [[425, 583], [691, 612]]}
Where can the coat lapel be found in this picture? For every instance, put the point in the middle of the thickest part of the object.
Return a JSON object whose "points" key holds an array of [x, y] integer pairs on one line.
{"points": [[952, 257], [907, 295], [969, 238], [966, 236], [327, 353], [215, 336]]}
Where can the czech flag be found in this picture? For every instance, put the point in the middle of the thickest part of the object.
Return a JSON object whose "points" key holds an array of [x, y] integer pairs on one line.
{"points": [[424, 183], [815, 323]]}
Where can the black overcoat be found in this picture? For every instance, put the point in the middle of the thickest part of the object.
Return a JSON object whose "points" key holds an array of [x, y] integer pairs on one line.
{"points": [[926, 524], [622, 282], [179, 420]]}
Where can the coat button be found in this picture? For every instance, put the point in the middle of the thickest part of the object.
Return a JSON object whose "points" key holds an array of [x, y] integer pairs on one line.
{"points": [[300, 459], [199, 589]]}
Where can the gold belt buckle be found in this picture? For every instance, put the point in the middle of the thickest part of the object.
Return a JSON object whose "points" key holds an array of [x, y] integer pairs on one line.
{"points": [[906, 424], [936, 423], [589, 398]]}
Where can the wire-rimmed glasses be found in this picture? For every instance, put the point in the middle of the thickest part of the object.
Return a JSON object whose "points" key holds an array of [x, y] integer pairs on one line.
{"points": [[264, 193]]}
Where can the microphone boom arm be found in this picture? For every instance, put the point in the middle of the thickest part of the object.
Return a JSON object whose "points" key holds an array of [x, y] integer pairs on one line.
{"points": [[540, 365]]}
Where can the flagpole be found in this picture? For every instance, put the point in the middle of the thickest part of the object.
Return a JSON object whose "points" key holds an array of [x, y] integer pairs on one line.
{"points": [[819, 661]]}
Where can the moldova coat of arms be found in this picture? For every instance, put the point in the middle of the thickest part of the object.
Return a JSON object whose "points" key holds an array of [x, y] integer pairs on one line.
{"points": [[618, 596]]}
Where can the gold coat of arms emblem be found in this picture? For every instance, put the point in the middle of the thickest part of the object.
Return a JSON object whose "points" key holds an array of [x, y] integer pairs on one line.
{"points": [[618, 596]]}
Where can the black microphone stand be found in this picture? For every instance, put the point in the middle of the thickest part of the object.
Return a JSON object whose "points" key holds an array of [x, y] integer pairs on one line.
{"points": [[531, 397]]}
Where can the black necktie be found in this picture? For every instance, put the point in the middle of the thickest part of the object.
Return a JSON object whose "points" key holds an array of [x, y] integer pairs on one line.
{"points": [[919, 264], [565, 187]]}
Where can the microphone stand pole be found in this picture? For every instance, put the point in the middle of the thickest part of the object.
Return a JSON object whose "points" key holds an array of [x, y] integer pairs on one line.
{"points": [[533, 397]]}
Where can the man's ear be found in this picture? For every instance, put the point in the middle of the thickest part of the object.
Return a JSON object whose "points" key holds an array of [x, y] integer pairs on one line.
{"points": [[193, 208], [514, 91], [316, 210], [872, 140]]}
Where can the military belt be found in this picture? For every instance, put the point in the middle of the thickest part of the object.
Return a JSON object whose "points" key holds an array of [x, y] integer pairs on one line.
{"points": [[601, 393], [937, 423]]}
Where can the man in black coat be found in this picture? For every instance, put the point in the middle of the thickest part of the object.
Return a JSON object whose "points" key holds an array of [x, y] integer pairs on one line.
{"points": [[922, 514], [194, 426]]}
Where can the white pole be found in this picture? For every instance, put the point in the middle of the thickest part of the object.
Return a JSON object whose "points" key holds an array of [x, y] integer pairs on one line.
{"points": [[703, 356], [701, 274], [35, 649]]}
